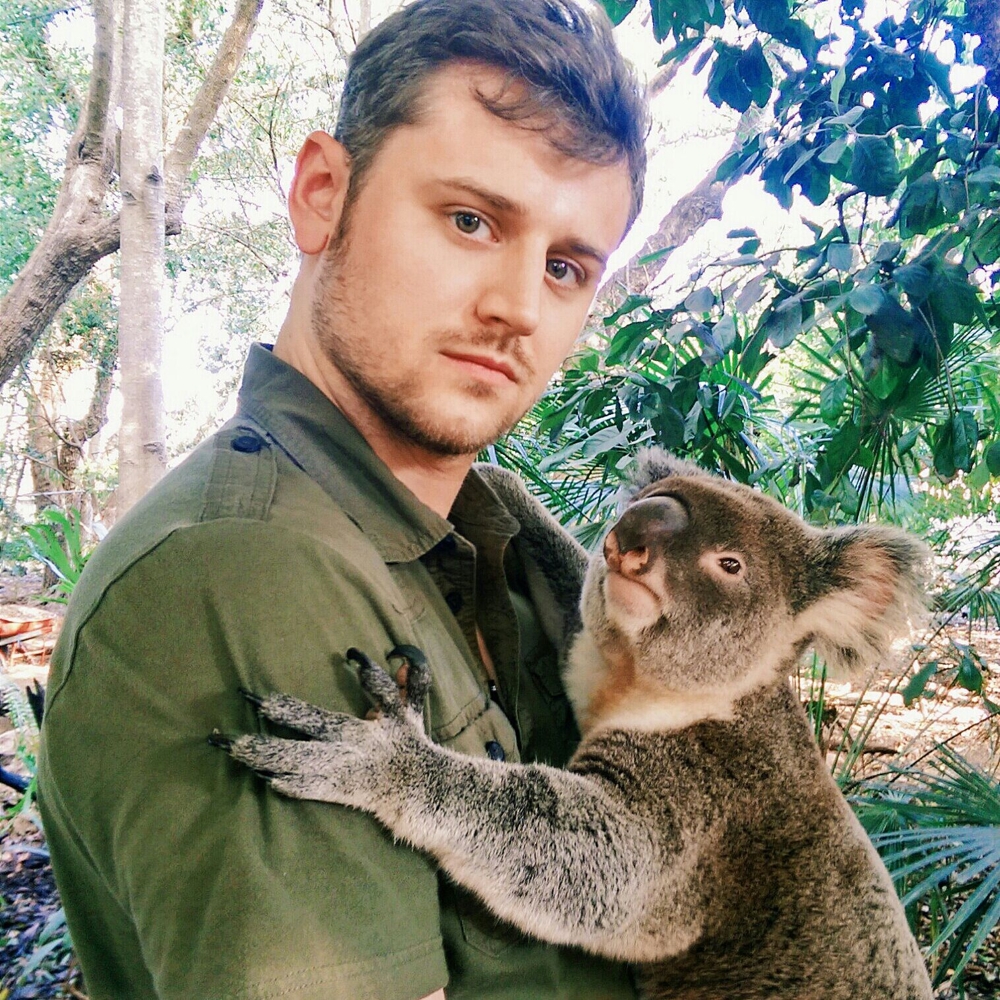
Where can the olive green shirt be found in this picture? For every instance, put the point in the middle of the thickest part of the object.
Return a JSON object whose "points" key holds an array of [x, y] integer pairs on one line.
{"points": [[274, 547]]}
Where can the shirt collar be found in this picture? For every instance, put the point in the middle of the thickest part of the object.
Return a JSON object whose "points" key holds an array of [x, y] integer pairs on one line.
{"points": [[323, 442]]}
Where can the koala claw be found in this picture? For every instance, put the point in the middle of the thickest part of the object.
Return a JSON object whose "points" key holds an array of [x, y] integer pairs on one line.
{"points": [[418, 675], [293, 713], [217, 739], [389, 697], [251, 697]]}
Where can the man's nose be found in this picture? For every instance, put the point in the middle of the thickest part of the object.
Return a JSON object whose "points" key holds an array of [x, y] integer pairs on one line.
{"points": [[513, 294], [640, 530]]}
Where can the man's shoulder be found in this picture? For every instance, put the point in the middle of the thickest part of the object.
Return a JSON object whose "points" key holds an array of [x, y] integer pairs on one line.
{"points": [[237, 497]]}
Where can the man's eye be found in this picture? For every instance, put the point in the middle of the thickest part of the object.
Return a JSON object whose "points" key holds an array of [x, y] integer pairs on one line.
{"points": [[561, 270], [467, 222]]}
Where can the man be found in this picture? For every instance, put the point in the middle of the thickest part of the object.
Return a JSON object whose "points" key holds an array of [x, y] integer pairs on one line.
{"points": [[488, 159]]}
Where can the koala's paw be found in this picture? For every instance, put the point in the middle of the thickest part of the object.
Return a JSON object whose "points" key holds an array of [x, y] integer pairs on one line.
{"points": [[338, 768], [345, 760]]}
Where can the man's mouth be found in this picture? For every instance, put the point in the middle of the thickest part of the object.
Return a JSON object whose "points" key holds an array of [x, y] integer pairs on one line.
{"points": [[484, 366]]}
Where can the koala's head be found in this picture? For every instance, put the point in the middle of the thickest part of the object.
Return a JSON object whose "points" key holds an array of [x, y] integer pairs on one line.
{"points": [[705, 582]]}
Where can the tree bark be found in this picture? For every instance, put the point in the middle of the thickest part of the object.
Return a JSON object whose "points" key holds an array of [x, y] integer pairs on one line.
{"points": [[81, 231], [688, 214], [142, 448], [56, 445]]}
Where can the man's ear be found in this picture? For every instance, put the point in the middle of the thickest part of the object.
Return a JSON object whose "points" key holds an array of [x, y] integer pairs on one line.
{"points": [[319, 188], [861, 587]]}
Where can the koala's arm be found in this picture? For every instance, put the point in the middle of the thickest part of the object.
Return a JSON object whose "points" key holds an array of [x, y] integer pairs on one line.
{"points": [[555, 853]]}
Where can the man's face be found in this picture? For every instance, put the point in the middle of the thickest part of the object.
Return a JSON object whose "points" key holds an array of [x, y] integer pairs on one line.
{"points": [[464, 272]]}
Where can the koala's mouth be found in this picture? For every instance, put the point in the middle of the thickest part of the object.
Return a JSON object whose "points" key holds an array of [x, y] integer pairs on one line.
{"points": [[633, 596]]}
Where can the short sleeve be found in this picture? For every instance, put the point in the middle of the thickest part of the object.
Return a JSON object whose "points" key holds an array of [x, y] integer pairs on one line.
{"points": [[188, 877]]}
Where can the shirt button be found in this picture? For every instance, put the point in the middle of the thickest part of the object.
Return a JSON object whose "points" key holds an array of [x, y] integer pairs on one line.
{"points": [[495, 751], [248, 443], [454, 601], [447, 544]]}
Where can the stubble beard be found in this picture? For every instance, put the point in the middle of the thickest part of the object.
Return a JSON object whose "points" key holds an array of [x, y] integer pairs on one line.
{"points": [[394, 400]]}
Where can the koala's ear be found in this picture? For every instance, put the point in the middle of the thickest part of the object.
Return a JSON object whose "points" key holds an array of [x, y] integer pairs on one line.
{"points": [[858, 590], [654, 464]]}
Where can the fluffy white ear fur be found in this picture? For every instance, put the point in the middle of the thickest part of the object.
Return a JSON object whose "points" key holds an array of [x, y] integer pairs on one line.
{"points": [[654, 464], [875, 578]]}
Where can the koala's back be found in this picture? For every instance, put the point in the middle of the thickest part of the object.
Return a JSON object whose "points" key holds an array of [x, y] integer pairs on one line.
{"points": [[785, 893]]}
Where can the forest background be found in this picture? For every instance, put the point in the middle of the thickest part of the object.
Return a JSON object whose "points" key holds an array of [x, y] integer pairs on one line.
{"points": [[808, 304]]}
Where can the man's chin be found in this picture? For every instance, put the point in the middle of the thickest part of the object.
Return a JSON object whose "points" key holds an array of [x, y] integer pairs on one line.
{"points": [[452, 435]]}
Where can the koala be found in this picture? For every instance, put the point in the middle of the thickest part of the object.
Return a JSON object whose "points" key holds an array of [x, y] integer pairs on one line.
{"points": [[697, 832]]}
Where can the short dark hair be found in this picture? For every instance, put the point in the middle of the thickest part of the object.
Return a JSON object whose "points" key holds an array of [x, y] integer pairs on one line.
{"points": [[561, 62]]}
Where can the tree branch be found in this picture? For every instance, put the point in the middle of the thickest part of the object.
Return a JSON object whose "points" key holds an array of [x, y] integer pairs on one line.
{"points": [[205, 106], [688, 214], [78, 235], [91, 139]]}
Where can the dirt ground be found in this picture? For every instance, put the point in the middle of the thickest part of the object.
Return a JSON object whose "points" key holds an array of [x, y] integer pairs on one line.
{"points": [[29, 901]]}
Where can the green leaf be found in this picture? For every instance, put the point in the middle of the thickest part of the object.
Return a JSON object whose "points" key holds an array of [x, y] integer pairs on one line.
{"points": [[969, 675], [626, 342], [756, 73], [700, 300], [914, 279], [978, 477], [884, 382], [834, 151], [954, 444], [840, 256], [873, 166], [887, 251], [725, 84], [725, 333], [993, 458], [832, 399], [785, 322], [907, 441], [919, 208], [965, 434], [894, 330], [985, 175], [652, 258], [631, 303], [918, 682], [771, 16], [849, 118], [618, 10], [842, 450], [837, 85], [952, 297], [867, 299]]}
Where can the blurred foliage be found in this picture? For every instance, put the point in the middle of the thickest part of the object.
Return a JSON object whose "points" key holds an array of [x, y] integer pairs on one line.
{"points": [[938, 830]]}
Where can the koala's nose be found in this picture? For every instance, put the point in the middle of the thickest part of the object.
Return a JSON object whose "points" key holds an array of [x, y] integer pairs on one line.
{"points": [[640, 528]]}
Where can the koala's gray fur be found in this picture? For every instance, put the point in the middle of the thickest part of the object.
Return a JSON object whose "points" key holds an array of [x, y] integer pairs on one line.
{"points": [[697, 832]]}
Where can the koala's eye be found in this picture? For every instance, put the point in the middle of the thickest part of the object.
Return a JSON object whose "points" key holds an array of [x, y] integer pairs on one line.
{"points": [[731, 565]]}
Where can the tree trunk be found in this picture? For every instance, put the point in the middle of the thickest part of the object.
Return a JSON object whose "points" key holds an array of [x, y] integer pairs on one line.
{"points": [[688, 214], [142, 450], [81, 232]]}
